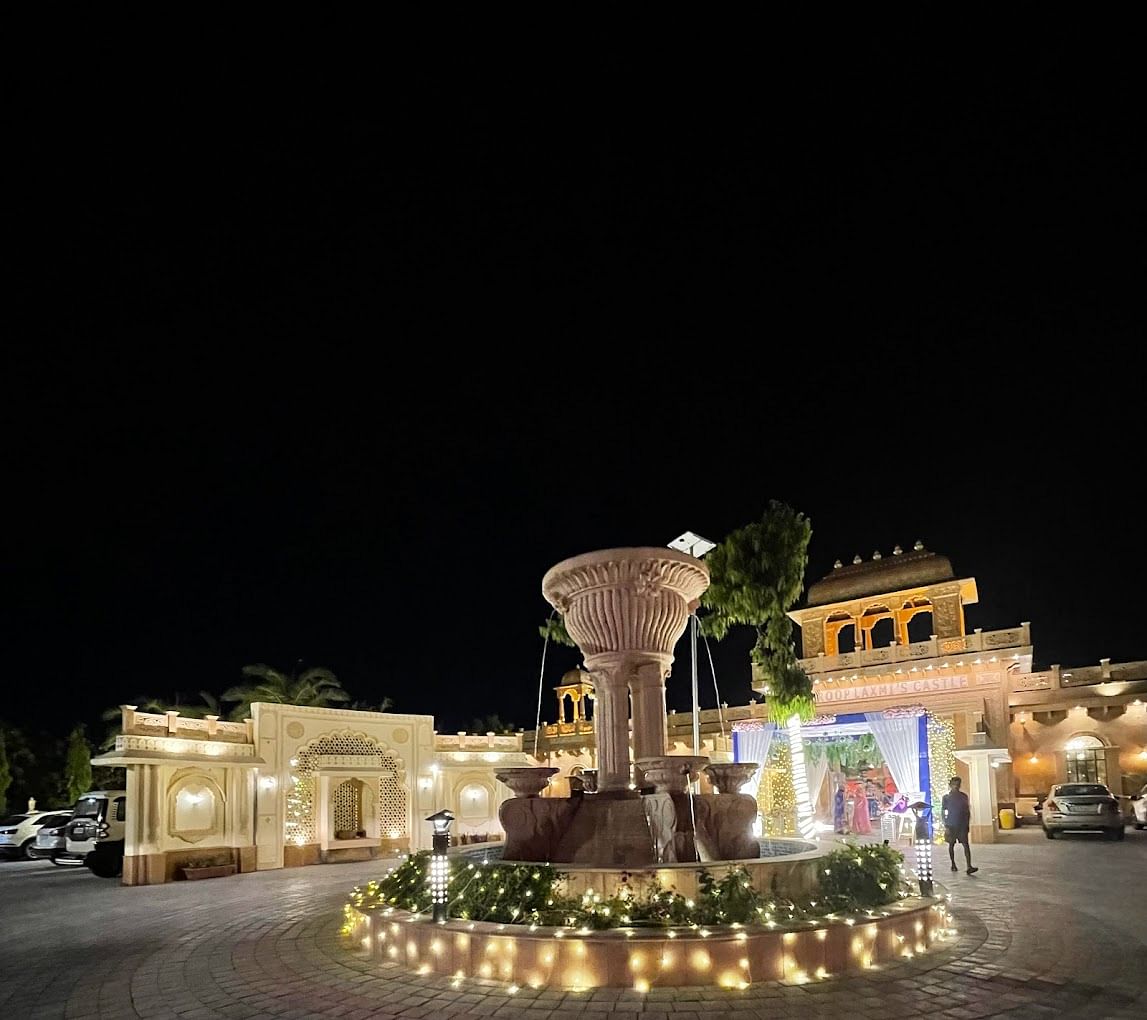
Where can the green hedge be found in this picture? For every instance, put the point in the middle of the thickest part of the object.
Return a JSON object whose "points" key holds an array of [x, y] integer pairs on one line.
{"points": [[854, 878]]}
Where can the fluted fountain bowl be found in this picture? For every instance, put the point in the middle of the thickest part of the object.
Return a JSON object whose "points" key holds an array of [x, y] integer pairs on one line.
{"points": [[526, 782], [671, 773], [729, 777], [618, 600]]}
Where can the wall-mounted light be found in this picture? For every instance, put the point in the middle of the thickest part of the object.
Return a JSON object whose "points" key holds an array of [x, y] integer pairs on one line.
{"points": [[267, 783]]}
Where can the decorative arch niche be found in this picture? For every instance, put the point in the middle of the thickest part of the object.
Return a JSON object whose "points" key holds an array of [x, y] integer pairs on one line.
{"points": [[385, 797], [196, 807]]}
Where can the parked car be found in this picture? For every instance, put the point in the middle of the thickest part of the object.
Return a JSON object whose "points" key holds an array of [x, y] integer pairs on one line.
{"points": [[18, 833], [95, 833], [51, 841], [1081, 807], [1139, 809]]}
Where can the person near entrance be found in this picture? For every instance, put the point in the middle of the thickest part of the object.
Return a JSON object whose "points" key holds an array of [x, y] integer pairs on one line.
{"points": [[957, 820]]}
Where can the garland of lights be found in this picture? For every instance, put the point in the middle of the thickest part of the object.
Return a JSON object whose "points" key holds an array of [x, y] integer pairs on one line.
{"points": [[941, 763], [854, 878], [780, 812]]}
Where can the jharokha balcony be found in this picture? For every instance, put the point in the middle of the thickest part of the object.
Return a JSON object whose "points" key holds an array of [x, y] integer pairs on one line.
{"points": [[991, 642]]}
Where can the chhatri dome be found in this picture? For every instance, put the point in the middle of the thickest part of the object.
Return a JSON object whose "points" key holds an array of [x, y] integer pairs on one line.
{"points": [[881, 574]]}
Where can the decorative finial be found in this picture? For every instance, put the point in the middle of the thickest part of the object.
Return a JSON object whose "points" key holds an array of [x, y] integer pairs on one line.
{"points": [[857, 559], [896, 550], [919, 545], [837, 565], [876, 555]]}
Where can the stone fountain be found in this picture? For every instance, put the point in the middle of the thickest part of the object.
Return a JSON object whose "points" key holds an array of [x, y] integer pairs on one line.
{"points": [[626, 609]]}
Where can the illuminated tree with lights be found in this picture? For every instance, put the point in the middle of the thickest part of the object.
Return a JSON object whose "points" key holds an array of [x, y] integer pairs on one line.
{"points": [[756, 575]]}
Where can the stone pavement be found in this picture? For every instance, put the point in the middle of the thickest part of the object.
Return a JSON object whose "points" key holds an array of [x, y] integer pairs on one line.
{"points": [[1046, 929]]}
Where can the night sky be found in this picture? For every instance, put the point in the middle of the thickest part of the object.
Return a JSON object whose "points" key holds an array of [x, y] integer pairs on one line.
{"points": [[333, 384]]}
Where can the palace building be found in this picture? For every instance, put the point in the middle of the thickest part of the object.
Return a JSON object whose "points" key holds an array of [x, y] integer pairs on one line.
{"points": [[886, 637]]}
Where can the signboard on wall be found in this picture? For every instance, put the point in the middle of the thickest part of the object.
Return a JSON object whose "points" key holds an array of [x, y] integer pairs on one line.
{"points": [[893, 688]]}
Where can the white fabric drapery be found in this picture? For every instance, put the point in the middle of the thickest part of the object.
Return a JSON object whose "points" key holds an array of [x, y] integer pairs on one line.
{"points": [[899, 742], [816, 776], [754, 745]]}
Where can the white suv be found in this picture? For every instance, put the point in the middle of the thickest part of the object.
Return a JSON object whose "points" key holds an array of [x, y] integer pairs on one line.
{"points": [[18, 832], [1139, 808]]}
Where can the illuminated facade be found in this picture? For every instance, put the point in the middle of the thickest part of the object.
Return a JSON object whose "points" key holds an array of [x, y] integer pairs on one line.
{"points": [[890, 633], [293, 786]]}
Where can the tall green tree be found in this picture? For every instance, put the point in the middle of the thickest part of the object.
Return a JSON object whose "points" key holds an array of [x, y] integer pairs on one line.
{"points": [[77, 765], [314, 687], [756, 575], [492, 724], [5, 773]]}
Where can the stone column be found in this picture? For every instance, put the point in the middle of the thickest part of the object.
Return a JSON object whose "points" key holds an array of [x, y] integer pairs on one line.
{"points": [[610, 721], [982, 789], [647, 686]]}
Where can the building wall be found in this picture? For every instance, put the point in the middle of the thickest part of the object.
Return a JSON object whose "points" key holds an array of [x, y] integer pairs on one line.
{"points": [[1044, 735], [285, 835], [182, 814]]}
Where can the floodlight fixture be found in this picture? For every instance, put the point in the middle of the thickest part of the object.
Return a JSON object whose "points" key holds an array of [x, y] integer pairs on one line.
{"points": [[693, 544]]}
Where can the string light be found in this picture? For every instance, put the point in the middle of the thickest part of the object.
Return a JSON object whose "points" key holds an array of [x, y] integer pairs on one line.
{"points": [[941, 760]]}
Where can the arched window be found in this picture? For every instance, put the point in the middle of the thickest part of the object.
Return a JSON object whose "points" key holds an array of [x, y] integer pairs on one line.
{"points": [[918, 614], [883, 633], [1086, 761]]}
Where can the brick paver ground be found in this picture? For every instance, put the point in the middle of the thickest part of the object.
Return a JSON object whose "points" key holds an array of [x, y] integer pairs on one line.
{"points": [[1046, 929]]}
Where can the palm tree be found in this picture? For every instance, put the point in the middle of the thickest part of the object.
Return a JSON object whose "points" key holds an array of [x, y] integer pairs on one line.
{"points": [[315, 687], [365, 706], [113, 716]]}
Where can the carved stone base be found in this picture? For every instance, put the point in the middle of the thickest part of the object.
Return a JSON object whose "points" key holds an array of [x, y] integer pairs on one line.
{"points": [[615, 831]]}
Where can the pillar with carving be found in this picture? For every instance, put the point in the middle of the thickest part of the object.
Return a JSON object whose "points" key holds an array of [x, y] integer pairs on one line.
{"points": [[626, 609]]}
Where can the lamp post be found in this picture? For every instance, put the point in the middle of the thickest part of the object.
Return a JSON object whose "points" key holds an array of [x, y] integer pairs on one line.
{"points": [[439, 872], [922, 841], [697, 546]]}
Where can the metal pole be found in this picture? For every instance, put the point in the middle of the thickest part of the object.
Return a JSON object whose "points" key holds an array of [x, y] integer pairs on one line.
{"points": [[696, 696]]}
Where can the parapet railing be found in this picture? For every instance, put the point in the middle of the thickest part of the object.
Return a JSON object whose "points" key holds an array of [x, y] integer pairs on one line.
{"points": [[980, 641]]}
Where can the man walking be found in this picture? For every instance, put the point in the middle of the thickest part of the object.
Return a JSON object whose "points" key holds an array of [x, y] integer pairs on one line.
{"points": [[957, 819]]}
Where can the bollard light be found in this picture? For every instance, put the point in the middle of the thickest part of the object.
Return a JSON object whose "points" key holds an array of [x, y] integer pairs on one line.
{"points": [[439, 871], [922, 839]]}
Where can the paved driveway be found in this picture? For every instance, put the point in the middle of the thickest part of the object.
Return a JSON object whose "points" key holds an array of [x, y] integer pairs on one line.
{"points": [[1046, 929]]}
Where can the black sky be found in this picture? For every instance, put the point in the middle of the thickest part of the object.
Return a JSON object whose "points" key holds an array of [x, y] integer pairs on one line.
{"points": [[339, 384]]}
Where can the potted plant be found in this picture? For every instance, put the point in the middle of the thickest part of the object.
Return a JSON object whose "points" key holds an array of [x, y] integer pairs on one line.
{"points": [[206, 867]]}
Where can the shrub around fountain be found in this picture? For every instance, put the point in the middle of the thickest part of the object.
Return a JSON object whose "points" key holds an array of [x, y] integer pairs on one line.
{"points": [[854, 878]]}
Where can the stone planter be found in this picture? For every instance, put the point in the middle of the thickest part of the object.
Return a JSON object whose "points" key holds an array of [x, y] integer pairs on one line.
{"points": [[217, 871], [671, 773], [729, 777], [526, 782]]}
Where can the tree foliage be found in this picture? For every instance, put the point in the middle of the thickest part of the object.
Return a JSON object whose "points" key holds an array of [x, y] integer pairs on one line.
{"points": [[5, 772], [314, 687], [554, 629], [756, 575], [492, 724], [77, 765]]}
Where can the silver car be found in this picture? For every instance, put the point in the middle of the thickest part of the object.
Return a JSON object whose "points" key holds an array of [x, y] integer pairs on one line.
{"points": [[50, 840], [1081, 807]]}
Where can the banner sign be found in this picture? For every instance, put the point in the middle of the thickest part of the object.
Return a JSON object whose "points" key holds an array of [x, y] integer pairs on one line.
{"points": [[892, 689]]}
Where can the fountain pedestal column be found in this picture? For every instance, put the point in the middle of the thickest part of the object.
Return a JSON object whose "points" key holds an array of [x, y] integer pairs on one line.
{"points": [[625, 609], [610, 724], [647, 687]]}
